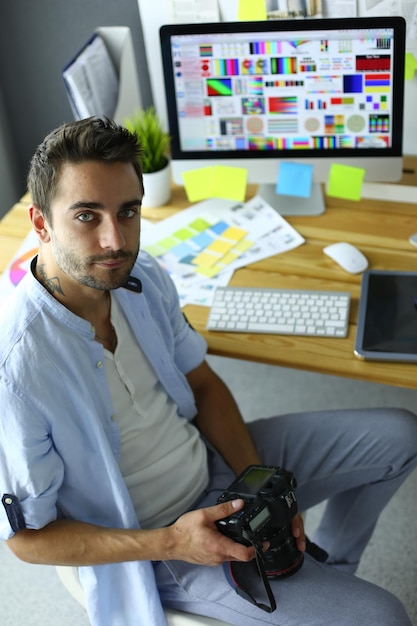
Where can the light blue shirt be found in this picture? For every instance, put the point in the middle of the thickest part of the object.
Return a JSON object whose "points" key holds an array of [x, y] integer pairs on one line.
{"points": [[59, 446]]}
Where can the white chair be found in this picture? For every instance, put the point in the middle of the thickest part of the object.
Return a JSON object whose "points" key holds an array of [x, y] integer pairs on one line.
{"points": [[70, 580]]}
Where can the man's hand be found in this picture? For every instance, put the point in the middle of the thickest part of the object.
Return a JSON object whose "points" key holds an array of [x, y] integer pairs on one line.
{"points": [[196, 538], [297, 527]]}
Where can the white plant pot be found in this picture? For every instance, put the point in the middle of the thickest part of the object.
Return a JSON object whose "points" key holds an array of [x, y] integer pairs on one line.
{"points": [[157, 186]]}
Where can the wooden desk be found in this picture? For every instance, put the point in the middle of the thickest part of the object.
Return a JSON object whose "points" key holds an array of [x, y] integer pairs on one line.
{"points": [[380, 229]]}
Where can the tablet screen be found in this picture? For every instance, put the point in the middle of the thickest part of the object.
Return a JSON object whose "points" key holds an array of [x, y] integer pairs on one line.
{"points": [[387, 322]]}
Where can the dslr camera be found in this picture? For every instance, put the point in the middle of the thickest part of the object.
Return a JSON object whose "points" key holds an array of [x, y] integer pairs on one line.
{"points": [[270, 505]]}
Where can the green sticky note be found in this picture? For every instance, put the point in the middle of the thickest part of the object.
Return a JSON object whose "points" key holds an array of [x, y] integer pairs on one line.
{"points": [[199, 224], [410, 65], [229, 182], [167, 243], [183, 234], [198, 183], [345, 181], [250, 10]]}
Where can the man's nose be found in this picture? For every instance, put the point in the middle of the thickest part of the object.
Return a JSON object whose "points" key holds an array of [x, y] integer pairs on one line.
{"points": [[111, 235]]}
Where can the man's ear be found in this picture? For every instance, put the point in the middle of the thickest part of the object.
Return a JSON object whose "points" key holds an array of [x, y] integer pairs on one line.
{"points": [[39, 223]]}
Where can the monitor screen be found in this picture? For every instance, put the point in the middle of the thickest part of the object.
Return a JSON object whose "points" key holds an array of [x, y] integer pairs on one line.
{"points": [[318, 91]]}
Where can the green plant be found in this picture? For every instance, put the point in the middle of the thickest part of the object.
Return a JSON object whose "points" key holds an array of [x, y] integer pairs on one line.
{"points": [[152, 137]]}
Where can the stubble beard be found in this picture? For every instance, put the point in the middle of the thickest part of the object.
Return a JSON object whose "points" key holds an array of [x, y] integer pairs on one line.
{"points": [[82, 271]]}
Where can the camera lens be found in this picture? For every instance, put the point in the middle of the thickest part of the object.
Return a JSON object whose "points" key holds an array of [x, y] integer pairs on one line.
{"points": [[282, 559]]}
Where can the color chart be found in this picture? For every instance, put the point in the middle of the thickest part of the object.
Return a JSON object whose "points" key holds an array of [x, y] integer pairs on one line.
{"points": [[265, 91]]}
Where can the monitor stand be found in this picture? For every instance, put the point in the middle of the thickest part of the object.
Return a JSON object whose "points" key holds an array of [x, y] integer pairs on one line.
{"points": [[293, 205]]}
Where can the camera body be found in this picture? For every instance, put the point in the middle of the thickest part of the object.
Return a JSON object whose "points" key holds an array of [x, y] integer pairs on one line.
{"points": [[270, 504]]}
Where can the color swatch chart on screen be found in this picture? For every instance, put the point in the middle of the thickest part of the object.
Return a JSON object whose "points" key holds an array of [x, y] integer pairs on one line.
{"points": [[249, 91]]}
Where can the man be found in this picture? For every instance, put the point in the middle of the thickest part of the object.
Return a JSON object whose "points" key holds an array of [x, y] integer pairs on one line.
{"points": [[117, 438]]}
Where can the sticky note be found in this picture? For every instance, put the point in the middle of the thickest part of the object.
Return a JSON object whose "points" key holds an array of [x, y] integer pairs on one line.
{"points": [[234, 233], [168, 243], [219, 181], [410, 65], [219, 227], [198, 183], [183, 234], [202, 240], [205, 259], [220, 247], [345, 181], [199, 224], [243, 246], [229, 182], [251, 10], [229, 258], [295, 179]]}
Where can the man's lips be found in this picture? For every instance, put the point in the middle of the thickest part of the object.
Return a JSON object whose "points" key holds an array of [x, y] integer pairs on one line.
{"points": [[111, 263]]}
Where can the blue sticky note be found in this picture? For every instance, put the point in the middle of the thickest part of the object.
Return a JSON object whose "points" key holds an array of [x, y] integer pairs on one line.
{"points": [[219, 228], [183, 249], [295, 179], [202, 240]]}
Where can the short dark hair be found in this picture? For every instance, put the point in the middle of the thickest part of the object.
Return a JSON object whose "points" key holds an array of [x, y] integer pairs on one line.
{"points": [[90, 139]]}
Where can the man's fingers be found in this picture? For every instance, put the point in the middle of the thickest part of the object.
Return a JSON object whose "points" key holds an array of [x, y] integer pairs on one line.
{"points": [[225, 509], [297, 527]]}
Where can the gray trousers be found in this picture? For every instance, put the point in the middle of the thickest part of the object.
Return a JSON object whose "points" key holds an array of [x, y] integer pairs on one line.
{"points": [[355, 460]]}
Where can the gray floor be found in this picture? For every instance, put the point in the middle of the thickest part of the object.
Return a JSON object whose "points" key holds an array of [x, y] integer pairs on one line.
{"points": [[31, 595]]}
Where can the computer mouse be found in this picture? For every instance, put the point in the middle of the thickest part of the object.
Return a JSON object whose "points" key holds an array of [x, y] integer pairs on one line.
{"points": [[347, 256]]}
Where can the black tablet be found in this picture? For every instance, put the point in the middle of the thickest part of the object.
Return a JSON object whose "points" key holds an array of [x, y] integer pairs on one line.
{"points": [[387, 319]]}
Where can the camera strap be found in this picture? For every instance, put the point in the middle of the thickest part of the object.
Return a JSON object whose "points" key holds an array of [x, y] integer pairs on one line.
{"points": [[252, 575], [243, 576]]}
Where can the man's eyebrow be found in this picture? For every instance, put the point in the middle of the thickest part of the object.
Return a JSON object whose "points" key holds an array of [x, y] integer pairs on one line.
{"points": [[97, 206]]}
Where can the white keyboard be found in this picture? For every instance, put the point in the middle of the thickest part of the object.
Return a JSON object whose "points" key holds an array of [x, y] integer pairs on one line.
{"points": [[280, 311]]}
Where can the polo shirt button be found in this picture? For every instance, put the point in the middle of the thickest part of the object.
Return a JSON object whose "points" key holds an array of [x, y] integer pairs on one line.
{"points": [[99, 364]]}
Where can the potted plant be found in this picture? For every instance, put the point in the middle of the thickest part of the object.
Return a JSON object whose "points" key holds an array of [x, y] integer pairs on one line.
{"points": [[154, 159]]}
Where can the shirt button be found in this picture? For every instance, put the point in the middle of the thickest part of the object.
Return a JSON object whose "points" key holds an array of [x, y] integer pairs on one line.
{"points": [[99, 364]]}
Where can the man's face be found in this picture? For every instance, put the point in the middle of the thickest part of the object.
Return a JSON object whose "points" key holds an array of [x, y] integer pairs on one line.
{"points": [[95, 225]]}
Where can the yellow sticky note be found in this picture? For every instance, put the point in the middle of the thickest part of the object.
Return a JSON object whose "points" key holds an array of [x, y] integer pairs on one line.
{"points": [[205, 259], [234, 233], [345, 181], [410, 65], [220, 247], [250, 10], [229, 258], [243, 246], [229, 182], [198, 183]]}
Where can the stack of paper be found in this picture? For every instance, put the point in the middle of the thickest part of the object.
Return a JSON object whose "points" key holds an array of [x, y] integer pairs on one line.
{"points": [[201, 246], [91, 81]]}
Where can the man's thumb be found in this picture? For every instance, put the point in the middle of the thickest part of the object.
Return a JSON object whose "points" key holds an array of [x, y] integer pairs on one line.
{"points": [[225, 509]]}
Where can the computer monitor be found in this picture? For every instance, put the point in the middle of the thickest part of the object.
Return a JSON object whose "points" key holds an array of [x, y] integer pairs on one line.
{"points": [[313, 91]]}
